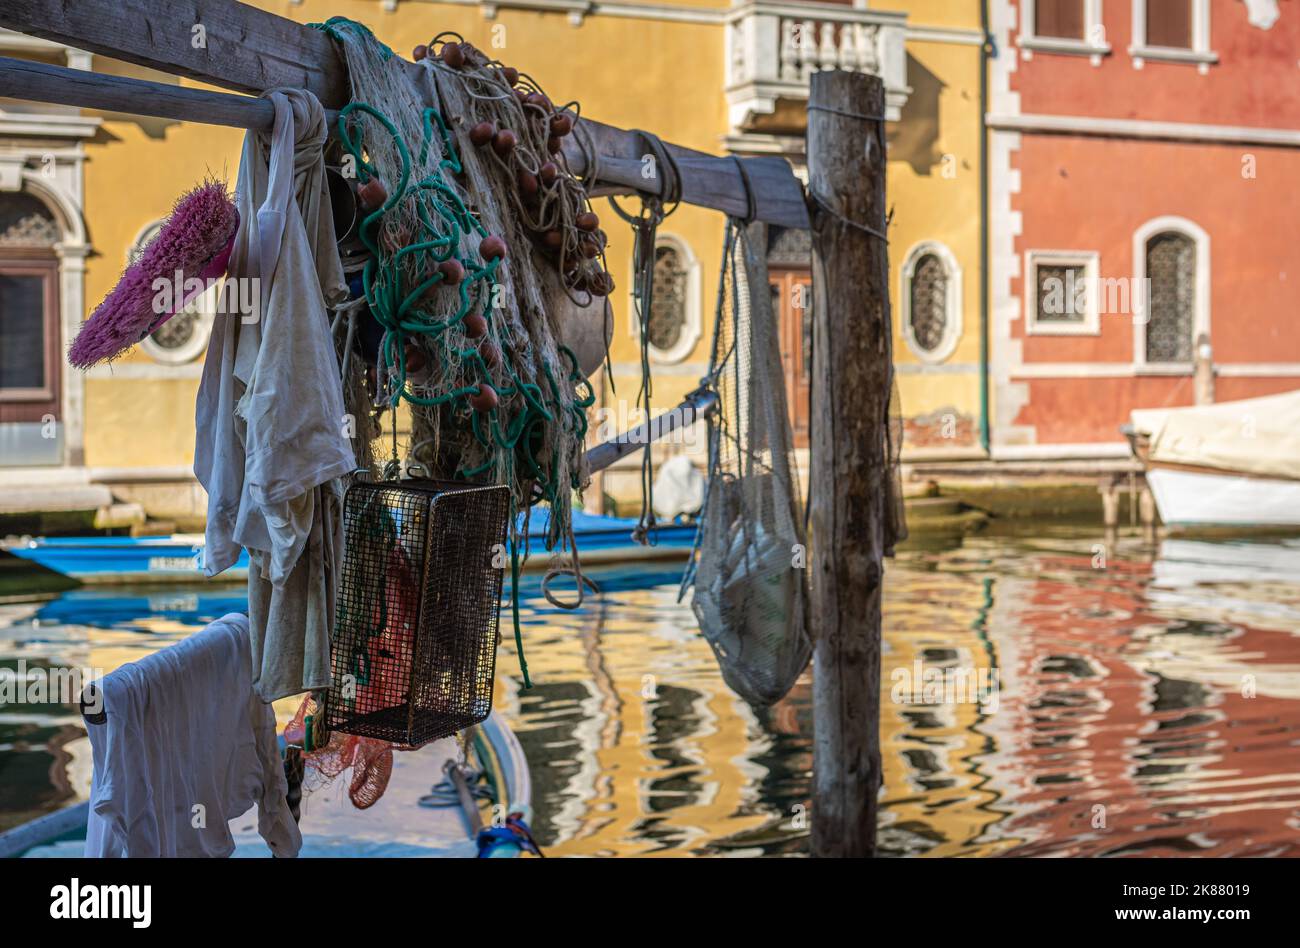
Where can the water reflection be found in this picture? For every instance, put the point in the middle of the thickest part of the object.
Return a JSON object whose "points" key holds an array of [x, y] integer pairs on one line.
{"points": [[1146, 704]]}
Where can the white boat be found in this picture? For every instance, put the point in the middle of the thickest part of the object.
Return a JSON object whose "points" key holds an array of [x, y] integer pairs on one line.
{"points": [[1230, 464]]}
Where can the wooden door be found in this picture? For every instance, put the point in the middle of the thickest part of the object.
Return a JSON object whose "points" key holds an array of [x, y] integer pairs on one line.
{"points": [[792, 305], [30, 355]]}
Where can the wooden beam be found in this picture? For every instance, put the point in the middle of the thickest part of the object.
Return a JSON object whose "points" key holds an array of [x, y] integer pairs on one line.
{"points": [[38, 82], [240, 47], [850, 476], [699, 404], [250, 50]]}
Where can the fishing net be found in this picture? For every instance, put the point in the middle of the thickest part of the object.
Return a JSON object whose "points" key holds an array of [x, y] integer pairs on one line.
{"points": [[464, 298], [749, 576], [369, 760]]}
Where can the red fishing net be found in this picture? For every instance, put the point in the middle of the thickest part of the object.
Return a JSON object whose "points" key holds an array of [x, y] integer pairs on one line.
{"points": [[370, 760]]}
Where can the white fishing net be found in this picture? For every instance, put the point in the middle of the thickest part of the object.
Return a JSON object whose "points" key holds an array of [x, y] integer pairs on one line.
{"points": [[749, 575]]}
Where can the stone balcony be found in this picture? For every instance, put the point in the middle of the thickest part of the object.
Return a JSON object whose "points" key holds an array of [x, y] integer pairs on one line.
{"points": [[774, 47]]}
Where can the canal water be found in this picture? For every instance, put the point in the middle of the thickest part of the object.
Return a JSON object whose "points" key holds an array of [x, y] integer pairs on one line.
{"points": [[1041, 695]]}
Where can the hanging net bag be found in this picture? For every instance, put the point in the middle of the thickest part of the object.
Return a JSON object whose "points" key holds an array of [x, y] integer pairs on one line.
{"points": [[750, 584]]}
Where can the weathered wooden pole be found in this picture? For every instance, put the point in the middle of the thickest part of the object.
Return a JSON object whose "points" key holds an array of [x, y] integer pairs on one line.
{"points": [[852, 372]]}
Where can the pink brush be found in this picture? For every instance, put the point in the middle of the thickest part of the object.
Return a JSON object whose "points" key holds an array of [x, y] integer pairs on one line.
{"points": [[196, 240]]}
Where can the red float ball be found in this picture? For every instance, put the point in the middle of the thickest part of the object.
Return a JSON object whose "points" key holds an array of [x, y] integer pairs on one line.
{"points": [[373, 194], [453, 55], [481, 134], [475, 326], [485, 399], [453, 271], [416, 360], [548, 172], [420, 52], [492, 248], [561, 124], [588, 221], [503, 142]]}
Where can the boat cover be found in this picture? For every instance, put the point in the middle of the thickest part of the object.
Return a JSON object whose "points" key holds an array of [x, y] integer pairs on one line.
{"points": [[1259, 436]]}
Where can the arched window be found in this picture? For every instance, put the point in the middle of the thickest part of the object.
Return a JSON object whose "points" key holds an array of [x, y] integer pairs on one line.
{"points": [[1171, 268], [674, 317], [931, 301], [1172, 263], [668, 309], [31, 346]]}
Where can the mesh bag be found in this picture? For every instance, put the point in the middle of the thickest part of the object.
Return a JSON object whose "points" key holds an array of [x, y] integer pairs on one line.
{"points": [[749, 575]]}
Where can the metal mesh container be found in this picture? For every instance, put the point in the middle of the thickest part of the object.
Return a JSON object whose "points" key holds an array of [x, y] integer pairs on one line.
{"points": [[415, 637]]}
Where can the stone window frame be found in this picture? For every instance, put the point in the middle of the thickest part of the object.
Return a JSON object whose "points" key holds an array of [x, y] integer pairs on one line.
{"points": [[1090, 324], [1200, 307], [953, 303], [1200, 54], [693, 319]]}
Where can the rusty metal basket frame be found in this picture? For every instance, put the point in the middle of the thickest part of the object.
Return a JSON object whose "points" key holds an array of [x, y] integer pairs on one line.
{"points": [[415, 733]]}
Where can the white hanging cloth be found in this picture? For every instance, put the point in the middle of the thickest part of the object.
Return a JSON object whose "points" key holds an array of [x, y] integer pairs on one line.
{"points": [[186, 747], [271, 442]]}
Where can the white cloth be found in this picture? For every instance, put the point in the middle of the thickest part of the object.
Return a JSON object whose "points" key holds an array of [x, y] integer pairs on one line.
{"points": [[271, 438], [186, 742]]}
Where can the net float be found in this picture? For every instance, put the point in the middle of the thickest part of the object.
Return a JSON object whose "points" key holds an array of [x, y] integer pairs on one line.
{"points": [[503, 142], [416, 360], [484, 400], [527, 183], [510, 74], [561, 124], [553, 239], [554, 144], [590, 248], [492, 247], [602, 284], [490, 353], [481, 134], [539, 100], [373, 194], [548, 172], [453, 55], [475, 326], [453, 271], [588, 221], [420, 52]]}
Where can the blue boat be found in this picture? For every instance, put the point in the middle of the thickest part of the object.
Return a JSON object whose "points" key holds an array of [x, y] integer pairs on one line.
{"points": [[179, 557]]}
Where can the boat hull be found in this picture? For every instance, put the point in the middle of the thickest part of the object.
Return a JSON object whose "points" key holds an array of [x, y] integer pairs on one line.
{"points": [[178, 558], [1195, 498]]}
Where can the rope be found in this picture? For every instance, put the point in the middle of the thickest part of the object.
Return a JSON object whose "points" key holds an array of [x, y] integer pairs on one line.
{"points": [[751, 204], [865, 228], [862, 116]]}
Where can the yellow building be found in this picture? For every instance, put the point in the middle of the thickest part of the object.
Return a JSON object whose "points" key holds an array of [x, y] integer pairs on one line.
{"points": [[81, 190]]}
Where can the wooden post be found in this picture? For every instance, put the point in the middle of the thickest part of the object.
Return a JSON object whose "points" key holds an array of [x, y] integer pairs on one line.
{"points": [[852, 372]]}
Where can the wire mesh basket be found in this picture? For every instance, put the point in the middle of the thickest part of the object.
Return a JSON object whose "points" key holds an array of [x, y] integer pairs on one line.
{"points": [[414, 645]]}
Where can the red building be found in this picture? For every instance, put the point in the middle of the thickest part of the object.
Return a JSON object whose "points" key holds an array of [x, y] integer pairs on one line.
{"points": [[1144, 162]]}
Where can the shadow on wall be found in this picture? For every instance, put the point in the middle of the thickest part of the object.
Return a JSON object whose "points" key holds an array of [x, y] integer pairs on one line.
{"points": [[916, 135]]}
